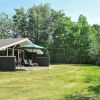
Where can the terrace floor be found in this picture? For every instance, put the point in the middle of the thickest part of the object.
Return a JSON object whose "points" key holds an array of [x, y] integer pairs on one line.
{"points": [[33, 68]]}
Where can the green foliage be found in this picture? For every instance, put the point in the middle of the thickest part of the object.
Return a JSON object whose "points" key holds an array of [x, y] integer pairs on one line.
{"points": [[36, 23], [95, 45], [5, 25], [84, 39], [72, 41], [66, 40], [63, 40], [19, 23]]}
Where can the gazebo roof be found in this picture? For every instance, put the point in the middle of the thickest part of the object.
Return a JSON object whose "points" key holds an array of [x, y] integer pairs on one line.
{"points": [[32, 46]]}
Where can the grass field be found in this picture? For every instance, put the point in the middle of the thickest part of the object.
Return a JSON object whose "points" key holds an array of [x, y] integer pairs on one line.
{"points": [[60, 82]]}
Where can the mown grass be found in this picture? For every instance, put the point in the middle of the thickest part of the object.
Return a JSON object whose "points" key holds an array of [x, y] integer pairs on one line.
{"points": [[60, 82]]}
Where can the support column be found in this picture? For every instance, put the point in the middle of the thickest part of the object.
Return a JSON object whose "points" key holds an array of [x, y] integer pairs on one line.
{"points": [[23, 54], [13, 52], [7, 51], [18, 54]]}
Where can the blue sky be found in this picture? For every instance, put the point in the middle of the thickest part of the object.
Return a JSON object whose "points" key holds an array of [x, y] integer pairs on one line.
{"points": [[73, 8]]}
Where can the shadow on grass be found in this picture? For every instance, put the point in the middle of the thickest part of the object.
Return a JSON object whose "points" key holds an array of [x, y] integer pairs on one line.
{"points": [[21, 70], [13, 70], [95, 89], [79, 97]]}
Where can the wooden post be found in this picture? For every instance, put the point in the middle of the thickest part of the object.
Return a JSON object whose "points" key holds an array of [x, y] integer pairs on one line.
{"points": [[18, 54], [13, 52], [23, 54], [7, 51]]}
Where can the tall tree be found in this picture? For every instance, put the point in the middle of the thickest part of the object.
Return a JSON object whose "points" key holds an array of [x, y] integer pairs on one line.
{"points": [[83, 39], [95, 44], [19, 23], [5, 25], [36, 23], [63, 43], [41, 23]]}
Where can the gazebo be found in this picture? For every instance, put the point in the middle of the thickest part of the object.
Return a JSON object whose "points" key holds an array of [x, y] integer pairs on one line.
{"points": [[34, 49]]}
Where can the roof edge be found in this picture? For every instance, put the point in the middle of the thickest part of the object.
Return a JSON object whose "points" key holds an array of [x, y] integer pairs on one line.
{"points": [[12, 44]]}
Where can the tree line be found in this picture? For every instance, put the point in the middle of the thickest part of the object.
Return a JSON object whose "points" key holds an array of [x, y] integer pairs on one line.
{"points": [[66, 40]]}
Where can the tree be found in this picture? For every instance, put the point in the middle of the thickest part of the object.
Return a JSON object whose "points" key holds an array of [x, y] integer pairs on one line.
{"points": [[42, 20], [63, 41], [72, 41], [5, 26], [84, 40], [37, 23], [95, 45], [19, 27]]}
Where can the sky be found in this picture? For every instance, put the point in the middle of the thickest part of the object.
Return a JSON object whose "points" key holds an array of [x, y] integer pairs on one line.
{"points": [[72, 8]]}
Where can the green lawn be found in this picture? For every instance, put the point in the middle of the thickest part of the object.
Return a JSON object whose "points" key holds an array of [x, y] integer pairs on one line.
{"points": [[60, 82]]}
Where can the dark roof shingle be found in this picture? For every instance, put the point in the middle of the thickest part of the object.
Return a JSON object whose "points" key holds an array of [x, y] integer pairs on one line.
{"points": [[10, 42]]}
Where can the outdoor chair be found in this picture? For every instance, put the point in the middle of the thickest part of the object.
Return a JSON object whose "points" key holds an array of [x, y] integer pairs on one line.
{"points": [[31, 63], [26, 62]]}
